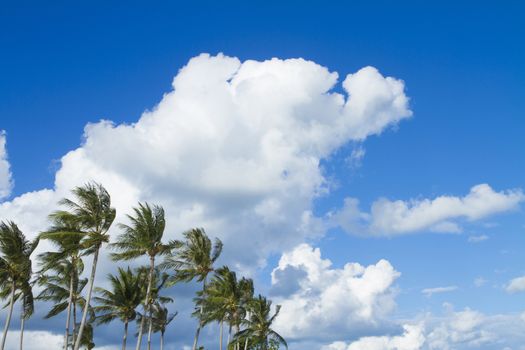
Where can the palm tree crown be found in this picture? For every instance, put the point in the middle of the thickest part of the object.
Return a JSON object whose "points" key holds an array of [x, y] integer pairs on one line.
{"points": [[15, 271], [258, 332], [143, 236], [195, 256], [122, 299]]}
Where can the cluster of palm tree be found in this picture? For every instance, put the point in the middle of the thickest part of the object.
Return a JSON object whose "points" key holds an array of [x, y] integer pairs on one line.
{"points": [[81, 229]]}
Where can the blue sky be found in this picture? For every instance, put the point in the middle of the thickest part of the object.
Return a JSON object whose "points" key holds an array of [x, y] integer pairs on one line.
{"points": [[64, 66]]}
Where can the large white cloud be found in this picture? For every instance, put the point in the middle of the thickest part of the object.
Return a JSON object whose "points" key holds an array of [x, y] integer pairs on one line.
{"points": [[235, 148], [329, 301], [40, 340], [412, 338], [34, 340], [440, 214], [465, 329], [6, 182]]}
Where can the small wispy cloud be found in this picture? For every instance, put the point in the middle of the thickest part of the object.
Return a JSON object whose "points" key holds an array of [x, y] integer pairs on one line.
{"points": [[477, 239], [480, 281], [428, 292], [356, 157]]}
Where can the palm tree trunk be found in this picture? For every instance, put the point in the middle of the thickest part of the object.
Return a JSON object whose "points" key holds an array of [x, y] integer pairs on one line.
{"points": [[150, 329], [220, 335], [66, 336], [74, 321], [124, 339], [237, 345], [161, 340], [195, 341], [196, 336], [229, 336], [146, 306], [246, 344], [8, 320], [88, 300], [22, 324]]}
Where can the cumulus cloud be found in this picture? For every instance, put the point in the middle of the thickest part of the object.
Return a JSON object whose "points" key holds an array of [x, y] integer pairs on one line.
{"points": [[440, 214], [330, 301], [235, 148], [35, 340], [6, 182], [412, 338], [437, 290], [516, 285], [465, 329]]}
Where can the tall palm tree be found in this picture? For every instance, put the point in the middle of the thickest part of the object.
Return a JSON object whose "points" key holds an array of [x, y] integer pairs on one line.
{"points": [[158, 283], [15, 270], [245, 292], [24, 294], [208, 310], [194, 260], [258, 332], [26, 302], [161, 318], [225, 299], [65, 293], [87, 336], [92, 211], [121, 301], [143, 236], [66, 235]]}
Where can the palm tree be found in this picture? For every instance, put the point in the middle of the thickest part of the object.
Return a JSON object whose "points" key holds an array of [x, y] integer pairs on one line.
{"points": [[161, 318], [87, 336], [27, 304], [121, 301], [92, 212], [65, 292], [159, 281], [207, 311], [258, 332], [15, 271], [225, 299], [244, 296], [194, 261], [66, 236], [143, 236]]}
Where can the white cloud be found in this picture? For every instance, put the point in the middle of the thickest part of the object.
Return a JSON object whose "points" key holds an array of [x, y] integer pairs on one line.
{"points": [[467, 328], [412, 338], [477, 239], [516, 285], [39, 340], [437, 290], [332, 301], [34, 340], [480, 282], [439, 214], [6, 182], [356, 157], [235, 148]]}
